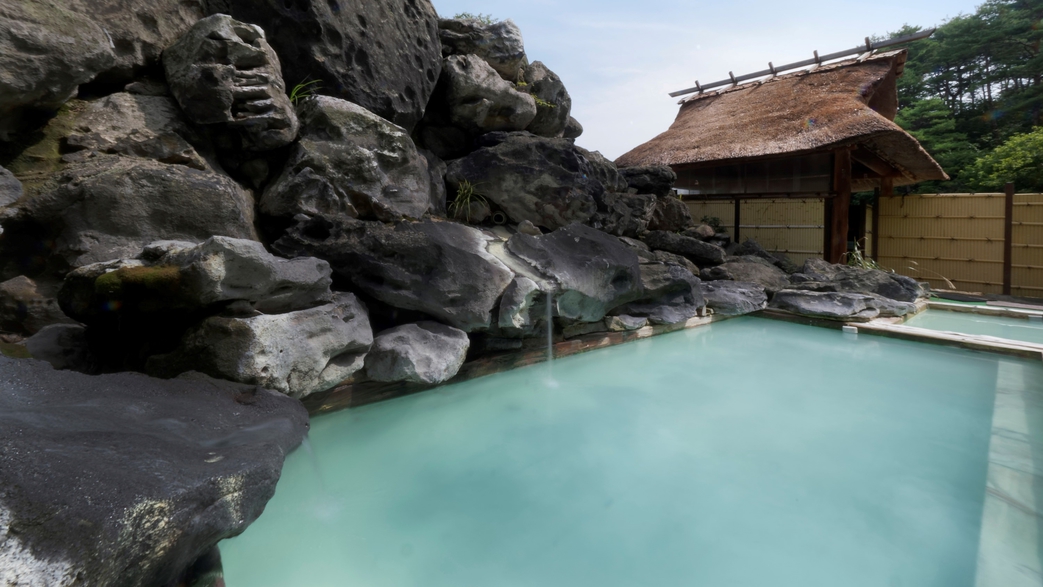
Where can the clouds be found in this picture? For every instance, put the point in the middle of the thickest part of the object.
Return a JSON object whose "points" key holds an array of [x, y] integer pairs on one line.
{"points": [[619, 59]]}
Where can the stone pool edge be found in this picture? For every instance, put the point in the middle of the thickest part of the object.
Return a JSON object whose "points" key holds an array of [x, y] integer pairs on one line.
{"points": [[357, 393]]}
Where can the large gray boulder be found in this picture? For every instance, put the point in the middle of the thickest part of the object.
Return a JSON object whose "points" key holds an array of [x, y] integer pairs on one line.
{"points": [[751, 270], [499, 44], [845, 307], [479, 101], [698, 252], [64, 346], [624, 214], [10, 188], [820, 275], [733, 298], [224, 72], [149, 127], [548, 182], [671, 295], [350, 163], [127, 480], [48, 48], [650, 179], [590, 272], [573, 129], [605, 171], [110, 207], [553, 104], [522, 307], [25, 310], [442, 269], [670, 215], [297, 353], [425, 352], [383, 55]]}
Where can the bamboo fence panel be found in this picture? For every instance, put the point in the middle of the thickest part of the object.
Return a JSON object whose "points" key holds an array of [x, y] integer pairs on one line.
{"points": [[723, 209], [934, 236], [1027, 246], [789, 226]]}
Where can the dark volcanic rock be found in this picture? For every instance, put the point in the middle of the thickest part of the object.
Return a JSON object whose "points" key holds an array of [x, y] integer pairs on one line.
{"points": [[605, 171], [124, 480], [110, 207], [24, 310], [733, 298], [698, 252], [768, 276], [383, 55], [554, 105], [479, 101], [440, 268], [350, 163], [671, 295], [224, 72], [499, 44], [750, 247], [425, 352], [10, 188], [591, 271], [548, 182], [670, 215], [845, 307], [819, 275], [651, 179], [64, 346], [573, 129], [48, 48], [624, 214]]}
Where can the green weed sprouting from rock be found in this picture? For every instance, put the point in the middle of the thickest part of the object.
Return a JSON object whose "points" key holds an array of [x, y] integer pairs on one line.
{"points": [[466, 194], [485, 19], [304, 89], [714, 222], [855, 258], [541, 102]]}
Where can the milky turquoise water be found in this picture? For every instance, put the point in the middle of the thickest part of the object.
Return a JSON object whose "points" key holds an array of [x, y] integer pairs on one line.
{"points": [[751, 452], [1010, 328]]}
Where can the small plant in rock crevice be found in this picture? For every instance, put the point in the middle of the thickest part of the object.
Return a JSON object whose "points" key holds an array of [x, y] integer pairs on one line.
{"points": [[304, 89], [714, 222], [466, 194], [485, 19], [541, 102], [856, 258]]}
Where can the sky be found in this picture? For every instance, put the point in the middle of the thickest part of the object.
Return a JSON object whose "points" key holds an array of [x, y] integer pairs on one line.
{"points": [[620, 59]]}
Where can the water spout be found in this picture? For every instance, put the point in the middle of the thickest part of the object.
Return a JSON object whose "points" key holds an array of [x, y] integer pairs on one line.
{"points": [[550, 341]]}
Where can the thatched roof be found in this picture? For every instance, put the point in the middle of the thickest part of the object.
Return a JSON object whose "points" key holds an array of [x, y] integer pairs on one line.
{"points": [[847, 103]]}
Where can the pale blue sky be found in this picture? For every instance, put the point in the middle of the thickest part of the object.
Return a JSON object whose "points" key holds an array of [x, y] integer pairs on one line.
{"points": [[619, 59]]}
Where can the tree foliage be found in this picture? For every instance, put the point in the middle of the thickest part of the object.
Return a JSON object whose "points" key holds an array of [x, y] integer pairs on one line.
{"points": [[977, 82], [1019, 159]]}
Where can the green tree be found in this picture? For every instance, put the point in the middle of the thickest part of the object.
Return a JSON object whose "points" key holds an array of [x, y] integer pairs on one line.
{"points": [[1019, 159], [933, 124]]}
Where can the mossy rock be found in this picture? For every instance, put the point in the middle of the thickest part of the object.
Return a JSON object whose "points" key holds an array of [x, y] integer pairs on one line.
{"points": [[15, 351], [144, 288]]}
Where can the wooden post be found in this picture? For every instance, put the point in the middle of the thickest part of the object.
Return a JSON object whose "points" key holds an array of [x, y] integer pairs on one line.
{"points": [[1008, 239], [738, 208], [887, 190], [838, 212]]}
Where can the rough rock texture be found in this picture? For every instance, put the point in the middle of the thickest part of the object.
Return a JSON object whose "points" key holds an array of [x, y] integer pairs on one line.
{"points": [[10, 188], [350, 163], [651, 179], [605, 171], [436, 170], [440, 268], [819, 275], [624, 214], [548, 182], [24, 310], [479, 101], [384, 56], [665, 257], [224, 72], [698, 252], [624, 323], [703, 232], [150, 127], [670, 215], [733, 298], [590, 271], [573, 129], [889, 307], [554, 104], [425, 352], [519, 313], [110, 207], [750, 247], [847, 307], [48, 48], [499, 44], [297, 353], [671, 295], [64, 346], [746, 269], [126, 480]]}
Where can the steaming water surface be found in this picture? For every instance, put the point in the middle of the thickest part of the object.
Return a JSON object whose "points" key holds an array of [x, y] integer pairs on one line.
{"points": [[750, 452]]}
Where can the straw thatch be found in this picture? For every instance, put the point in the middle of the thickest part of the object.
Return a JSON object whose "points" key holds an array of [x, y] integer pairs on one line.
{"points": [[848, 103]]}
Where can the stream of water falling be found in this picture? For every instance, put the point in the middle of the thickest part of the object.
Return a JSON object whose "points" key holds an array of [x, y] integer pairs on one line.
{"points": [[550, 341]]}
